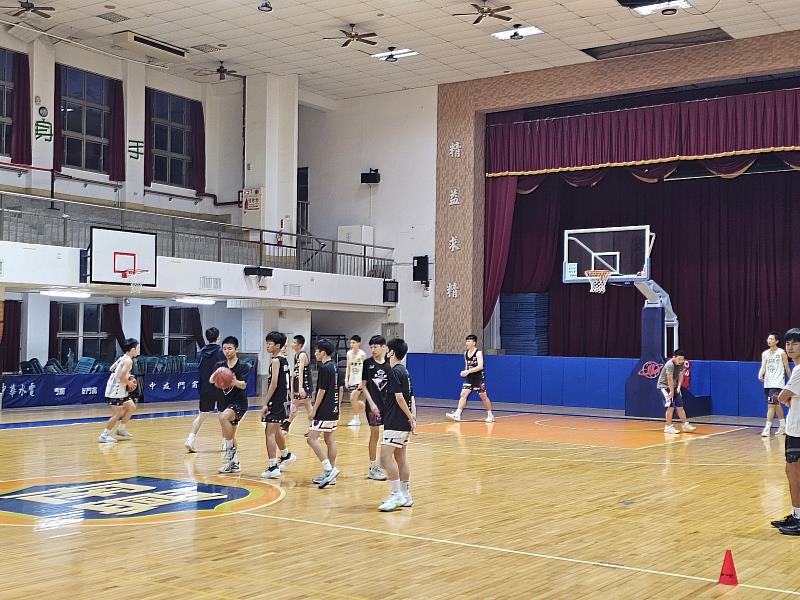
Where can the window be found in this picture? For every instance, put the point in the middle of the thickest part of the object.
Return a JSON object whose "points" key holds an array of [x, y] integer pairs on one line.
{"points": [[172, 140], [302, 200], [86, 114], [159, 334], [180, 339], [6, 102], [81, 332]]}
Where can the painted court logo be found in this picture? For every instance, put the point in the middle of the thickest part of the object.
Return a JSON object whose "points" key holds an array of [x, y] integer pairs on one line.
{"points": [[650, 369], [107, 500]]}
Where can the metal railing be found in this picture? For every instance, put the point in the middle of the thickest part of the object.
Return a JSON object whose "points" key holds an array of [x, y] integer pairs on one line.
{"points": [[38, 220]]}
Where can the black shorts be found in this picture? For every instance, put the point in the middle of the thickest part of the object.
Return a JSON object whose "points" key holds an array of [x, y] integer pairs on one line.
{"points": [[474, 386], [207, 403], [277, 413], [372, 420], [239, 407], [792, 449], [771, 394], [117, 401]]}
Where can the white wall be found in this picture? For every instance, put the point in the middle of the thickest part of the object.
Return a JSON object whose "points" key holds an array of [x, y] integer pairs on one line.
{"points": [[223, 115], [395, 133], [326, 322]]}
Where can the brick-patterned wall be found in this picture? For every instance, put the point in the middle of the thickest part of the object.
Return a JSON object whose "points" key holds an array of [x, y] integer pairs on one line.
{"points": [[461, 118]]}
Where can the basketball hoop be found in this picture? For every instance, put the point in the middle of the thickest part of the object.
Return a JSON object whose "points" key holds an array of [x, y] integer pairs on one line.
{"points": [[597, 280], [131, 276]]}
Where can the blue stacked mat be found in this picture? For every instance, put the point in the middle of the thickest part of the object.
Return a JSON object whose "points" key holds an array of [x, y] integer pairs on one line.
{"points": [[524, 323]]}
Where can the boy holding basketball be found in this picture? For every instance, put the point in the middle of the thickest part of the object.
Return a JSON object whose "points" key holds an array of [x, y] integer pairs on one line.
{"points": [[399, 421], [277, 407], [669, 383], [118, 389], [324, 414], [474, 381], [232, 404], [790, 396], [774, 365]]}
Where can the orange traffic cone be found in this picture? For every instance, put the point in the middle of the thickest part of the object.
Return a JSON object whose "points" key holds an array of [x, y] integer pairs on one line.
{"points": [[727, 576]]}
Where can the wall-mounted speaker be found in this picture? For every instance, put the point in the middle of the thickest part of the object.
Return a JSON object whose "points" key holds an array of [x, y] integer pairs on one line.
{"points": [[390, 291], [420, 264], [372, 177]]}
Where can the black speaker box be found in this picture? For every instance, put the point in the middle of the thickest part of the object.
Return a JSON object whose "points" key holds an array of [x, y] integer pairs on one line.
{"points": [[421, 268], [373, 177]]}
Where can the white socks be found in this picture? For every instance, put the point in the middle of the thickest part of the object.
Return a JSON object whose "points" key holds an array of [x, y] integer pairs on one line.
{"points": [[191, 438], [796, 512], [326, 465], [273, 462], [404, 488], [284, 453], [395, 484]]}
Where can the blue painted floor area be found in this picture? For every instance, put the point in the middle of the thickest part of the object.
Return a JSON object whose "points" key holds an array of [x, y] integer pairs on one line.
{"points": [[507, 408]]}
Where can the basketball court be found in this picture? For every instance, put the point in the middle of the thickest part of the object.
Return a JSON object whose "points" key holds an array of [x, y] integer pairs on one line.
{"points": [[587, 506]]}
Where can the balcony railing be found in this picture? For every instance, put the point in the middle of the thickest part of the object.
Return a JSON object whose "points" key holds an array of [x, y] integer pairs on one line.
{"points": [[38, 220]]}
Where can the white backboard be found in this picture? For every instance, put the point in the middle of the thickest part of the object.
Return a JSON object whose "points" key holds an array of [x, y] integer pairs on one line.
{"points": [[624, 251], [113, 253]]}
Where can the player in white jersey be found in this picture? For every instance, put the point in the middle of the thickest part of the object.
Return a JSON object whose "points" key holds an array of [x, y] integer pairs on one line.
{"points": [[118, 389], [773, 372], [790, 395], [352, 379]]}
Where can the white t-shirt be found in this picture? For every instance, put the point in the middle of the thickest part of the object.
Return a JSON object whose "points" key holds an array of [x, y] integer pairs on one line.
{"points": [[114, 387], [774, 376], [355, 360], [793, 418]]}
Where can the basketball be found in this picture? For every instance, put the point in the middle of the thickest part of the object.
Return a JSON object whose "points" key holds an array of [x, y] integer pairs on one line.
{"points": [[223, 378], [132, 383]]}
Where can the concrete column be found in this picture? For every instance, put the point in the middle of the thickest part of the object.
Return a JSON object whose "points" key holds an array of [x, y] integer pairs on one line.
{"points": [[35, 327], [131, 315], [43, 64], [256, 323], [294, 322], [133, 84], [271, 146]]}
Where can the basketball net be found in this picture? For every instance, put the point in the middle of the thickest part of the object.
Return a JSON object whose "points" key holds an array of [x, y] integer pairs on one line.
{"points": [[597, 280], [132, 277]]}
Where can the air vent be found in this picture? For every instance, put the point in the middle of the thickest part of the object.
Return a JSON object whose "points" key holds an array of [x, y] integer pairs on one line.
{"points": [[667, 42], [113, 17], [210, 283], [292, 289], [206, 48], [149, 46]]}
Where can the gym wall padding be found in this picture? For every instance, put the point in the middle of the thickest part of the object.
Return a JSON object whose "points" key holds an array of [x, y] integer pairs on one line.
{"points": [[583, 382]]}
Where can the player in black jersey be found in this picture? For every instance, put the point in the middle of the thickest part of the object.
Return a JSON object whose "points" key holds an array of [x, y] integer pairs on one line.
{"points": [[325, 413], [474, 381], [277, 407], [301, 379], [399, 421], [374, 385]]}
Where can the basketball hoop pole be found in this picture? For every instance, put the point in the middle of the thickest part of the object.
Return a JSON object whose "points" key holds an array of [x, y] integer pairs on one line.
{"points": [[656, 297]]}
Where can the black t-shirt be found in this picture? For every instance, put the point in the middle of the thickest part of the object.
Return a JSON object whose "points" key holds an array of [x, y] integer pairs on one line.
{"points": [[472, 362], [328, 409], [377, 376], [306, 374], [240, 371], [394, 419], [281, 395]]}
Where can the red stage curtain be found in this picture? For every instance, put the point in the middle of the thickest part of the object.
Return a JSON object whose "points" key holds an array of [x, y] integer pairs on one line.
{"points": [[198, 150], [10, 342], [21, 112], [116, 150], [741, 124]]}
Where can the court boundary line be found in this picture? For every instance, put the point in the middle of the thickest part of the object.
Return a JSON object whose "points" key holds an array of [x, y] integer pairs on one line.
{"points": [[691, 438], [516, 552]]}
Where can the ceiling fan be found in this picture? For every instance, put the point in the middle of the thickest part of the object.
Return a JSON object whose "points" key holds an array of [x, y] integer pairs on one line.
{"points": [[486, 11], [221, 70], [29, 7], [353, 36]]}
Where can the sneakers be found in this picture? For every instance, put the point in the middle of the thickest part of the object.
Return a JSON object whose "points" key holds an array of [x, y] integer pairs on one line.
{"points": [[124, 435], [318, 479], [231, 466], [781, 430], [670, 429], [688, 427], [408, 501], [107, 438], [393, 502], [790, 529], [354, 422], [285, 426], [327, 477], [272, 473], [285, 462], [489, 418], [766, 431], [453, 416], [376, 473], [786, 521], [189, 445]]}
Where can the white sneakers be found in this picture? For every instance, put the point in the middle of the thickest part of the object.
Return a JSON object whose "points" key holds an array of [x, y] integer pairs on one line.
{"points": [[107, 438], [124, 435], [189, 445], [686, 428], [354, 422], [766, 431], [376, 473], [271, 473], [453, 416], [393, 502], [489, 418], [781, 430]]}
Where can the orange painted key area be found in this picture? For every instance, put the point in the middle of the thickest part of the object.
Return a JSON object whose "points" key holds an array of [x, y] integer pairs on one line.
{"points": [[583, 431]]}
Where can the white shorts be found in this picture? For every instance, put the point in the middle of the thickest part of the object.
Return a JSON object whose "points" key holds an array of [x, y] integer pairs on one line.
{"points": [[396, 439], [322, 425]]}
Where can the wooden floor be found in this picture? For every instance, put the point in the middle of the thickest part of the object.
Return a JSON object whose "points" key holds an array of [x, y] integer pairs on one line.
{"points": [[532, 506]]}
